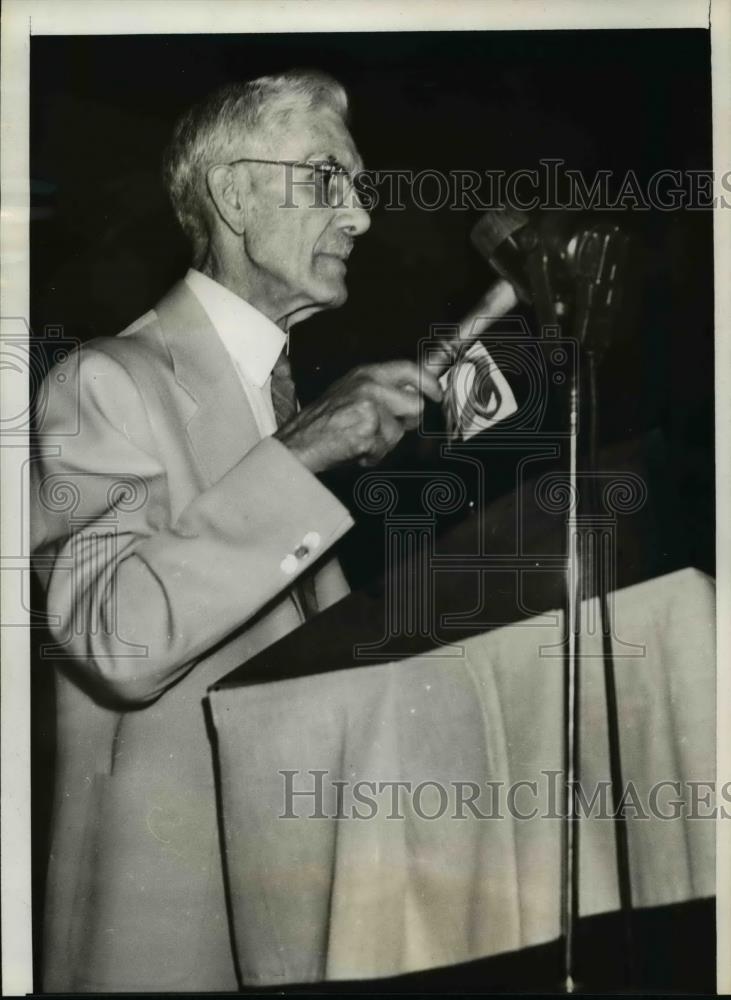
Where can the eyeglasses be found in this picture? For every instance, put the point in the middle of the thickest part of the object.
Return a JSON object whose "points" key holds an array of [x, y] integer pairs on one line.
{"points": [[331, 180]]}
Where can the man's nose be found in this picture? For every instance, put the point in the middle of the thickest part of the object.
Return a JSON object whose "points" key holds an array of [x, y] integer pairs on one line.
{"points": [[352, 217]]}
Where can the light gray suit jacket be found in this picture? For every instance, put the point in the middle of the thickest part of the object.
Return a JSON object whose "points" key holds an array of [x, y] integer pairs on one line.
{"points": [[163, 530]]}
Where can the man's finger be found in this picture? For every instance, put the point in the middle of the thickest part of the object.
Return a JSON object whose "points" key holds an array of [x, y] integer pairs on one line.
{"points": [[397, 402], [389, 433], [409, 374]]}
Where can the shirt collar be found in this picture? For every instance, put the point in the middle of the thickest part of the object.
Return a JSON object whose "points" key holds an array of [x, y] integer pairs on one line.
{"points": [[251, 338]]}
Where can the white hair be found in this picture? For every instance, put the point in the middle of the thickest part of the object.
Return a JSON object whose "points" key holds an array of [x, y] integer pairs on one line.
{"points": [[211, 132]]}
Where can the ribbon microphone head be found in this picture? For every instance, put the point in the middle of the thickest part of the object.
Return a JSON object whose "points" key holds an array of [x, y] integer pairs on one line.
{"points": [[564, 266]]}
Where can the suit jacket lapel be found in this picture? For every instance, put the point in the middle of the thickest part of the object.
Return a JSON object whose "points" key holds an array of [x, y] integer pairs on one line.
{"points": [[222, 428]]}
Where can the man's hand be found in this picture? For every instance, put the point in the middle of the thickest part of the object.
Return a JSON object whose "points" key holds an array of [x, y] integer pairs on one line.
{"points": [[361, 417]]}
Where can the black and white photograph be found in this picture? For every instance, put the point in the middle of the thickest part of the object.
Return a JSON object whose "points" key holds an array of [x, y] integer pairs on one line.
{"points": [[363, 526]]}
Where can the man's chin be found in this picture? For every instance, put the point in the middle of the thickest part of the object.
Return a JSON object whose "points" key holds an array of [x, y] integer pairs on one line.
{"points": [[329, 274], [322, 299], [339, 298], [332, 294]]}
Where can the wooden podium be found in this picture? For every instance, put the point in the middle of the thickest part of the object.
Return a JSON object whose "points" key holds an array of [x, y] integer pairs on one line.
{"points": [[373, 687]]}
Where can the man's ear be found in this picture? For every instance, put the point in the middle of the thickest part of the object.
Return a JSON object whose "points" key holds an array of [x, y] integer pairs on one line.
{"points": [[228, 190]]}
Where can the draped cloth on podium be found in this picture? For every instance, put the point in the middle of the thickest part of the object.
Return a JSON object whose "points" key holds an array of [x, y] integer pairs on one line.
{"points": [[430, 881]]}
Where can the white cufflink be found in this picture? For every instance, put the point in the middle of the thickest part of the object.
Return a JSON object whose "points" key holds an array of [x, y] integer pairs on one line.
{"points": [[312, 540], [288, 565]]}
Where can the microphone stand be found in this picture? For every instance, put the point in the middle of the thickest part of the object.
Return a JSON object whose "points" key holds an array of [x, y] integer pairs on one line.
{"points": [[593, 261]]}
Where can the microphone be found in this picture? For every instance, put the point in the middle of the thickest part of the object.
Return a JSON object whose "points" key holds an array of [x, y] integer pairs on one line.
{"points": [[497, 301], [552, 263]]}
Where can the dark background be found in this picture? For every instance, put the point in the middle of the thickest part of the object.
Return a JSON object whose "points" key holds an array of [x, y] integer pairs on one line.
{"points": [[105, 246]]}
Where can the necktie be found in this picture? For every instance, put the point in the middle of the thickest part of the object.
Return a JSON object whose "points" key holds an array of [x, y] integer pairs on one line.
{"points": [[284, 401], [284, 398]]}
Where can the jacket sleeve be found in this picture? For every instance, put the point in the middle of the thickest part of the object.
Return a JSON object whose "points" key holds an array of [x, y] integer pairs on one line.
{"points": [[116, 565]]}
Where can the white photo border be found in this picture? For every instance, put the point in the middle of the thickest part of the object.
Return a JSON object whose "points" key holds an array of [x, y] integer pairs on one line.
{"points": [[23, 18]]}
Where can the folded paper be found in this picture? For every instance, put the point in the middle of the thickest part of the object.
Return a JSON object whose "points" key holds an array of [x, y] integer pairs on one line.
{"points": [[476, 393]]}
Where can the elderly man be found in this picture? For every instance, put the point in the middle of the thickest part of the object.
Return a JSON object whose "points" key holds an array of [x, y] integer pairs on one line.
{"points": [[179, 526]]}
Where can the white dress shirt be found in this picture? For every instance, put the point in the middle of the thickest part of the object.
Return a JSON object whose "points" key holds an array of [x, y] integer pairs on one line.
{"points": [[252, 340]]}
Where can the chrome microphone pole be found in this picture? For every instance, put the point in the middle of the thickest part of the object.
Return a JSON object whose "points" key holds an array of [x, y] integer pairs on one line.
{"points": [[572, 713], [590, 268], [554, 311]]}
